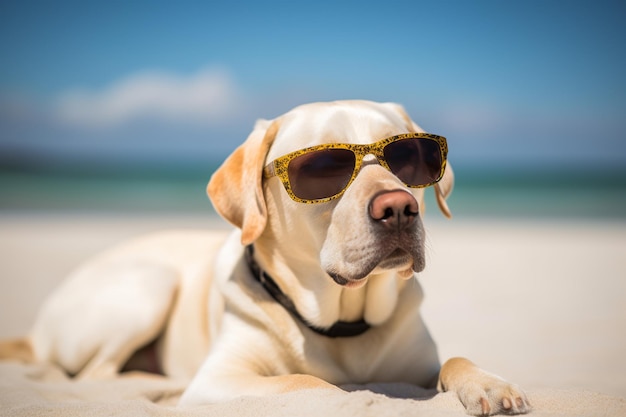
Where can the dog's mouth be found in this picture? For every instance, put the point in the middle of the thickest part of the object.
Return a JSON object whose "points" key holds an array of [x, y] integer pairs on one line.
{"points": [[398, 259], [345, 282]]}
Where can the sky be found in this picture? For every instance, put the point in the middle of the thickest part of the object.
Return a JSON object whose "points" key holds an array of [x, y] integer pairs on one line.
{"points": [[529, 84]]}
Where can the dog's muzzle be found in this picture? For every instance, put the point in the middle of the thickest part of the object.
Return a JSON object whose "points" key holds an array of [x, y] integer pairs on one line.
{"points": [[397, 240]]}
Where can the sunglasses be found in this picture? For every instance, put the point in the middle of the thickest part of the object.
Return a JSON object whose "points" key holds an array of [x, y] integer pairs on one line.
{"points": [[322, 173]]}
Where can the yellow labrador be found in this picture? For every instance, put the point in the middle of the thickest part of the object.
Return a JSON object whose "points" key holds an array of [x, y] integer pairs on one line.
{"points": [[315, 288]]}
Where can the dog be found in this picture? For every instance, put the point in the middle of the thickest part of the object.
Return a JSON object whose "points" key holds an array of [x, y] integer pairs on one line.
{"points": [[316, 286]]}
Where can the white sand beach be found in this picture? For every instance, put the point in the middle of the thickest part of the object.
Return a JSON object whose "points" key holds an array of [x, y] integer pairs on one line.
{"points": [[540, 303]]}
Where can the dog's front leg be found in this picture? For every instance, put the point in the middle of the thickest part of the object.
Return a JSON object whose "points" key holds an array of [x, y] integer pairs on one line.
{"points": [[223, 388], [480, 392]]}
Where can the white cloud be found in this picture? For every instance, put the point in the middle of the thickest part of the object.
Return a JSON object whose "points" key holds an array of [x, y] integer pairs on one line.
{"points": [[207, 97]]}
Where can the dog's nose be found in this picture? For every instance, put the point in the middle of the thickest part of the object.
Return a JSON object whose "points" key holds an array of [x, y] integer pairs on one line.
{"points": [[395, 209]]}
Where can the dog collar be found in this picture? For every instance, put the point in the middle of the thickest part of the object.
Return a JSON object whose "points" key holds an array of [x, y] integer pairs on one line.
{"points": [[339, 329]]}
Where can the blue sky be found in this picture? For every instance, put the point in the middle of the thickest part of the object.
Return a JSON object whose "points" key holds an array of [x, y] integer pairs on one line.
{"points": [[525, 84]]}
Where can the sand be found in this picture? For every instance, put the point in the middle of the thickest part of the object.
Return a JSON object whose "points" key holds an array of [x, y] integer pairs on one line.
{"points": [[541, 303]]}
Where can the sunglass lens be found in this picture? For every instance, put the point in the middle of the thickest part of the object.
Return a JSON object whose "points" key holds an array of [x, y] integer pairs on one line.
{"points": [[321, 174], [414, 161]]}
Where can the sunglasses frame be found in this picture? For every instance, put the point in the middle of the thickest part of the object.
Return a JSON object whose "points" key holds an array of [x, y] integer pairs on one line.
{"points": [[279, 167]]}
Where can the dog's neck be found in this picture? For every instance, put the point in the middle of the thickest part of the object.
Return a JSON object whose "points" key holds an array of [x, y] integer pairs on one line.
{"points": [[338, 329]]}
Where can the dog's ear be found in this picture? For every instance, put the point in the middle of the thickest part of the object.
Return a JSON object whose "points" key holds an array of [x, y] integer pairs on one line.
{"points": [[236, 188], [444, 187]]}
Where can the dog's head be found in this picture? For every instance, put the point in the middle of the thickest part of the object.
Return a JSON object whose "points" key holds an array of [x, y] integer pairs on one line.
{"points": [[375, 225]]}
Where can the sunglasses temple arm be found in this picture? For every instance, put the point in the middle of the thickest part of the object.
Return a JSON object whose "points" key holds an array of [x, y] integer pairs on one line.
{"points": [[269, 171]]}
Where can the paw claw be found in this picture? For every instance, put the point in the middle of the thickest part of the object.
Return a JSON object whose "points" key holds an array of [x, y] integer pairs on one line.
{"points": [[499, 398], [484, 405], [506, 404]]}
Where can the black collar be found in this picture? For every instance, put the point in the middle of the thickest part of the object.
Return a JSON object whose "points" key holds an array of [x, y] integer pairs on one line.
{"points": [[339, 329]]}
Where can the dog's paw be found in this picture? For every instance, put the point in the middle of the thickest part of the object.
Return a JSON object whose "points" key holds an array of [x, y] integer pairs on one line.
{"points": [[492, 395]]}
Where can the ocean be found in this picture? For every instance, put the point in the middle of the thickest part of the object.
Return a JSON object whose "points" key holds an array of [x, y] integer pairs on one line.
{"points": [[477, 194]]}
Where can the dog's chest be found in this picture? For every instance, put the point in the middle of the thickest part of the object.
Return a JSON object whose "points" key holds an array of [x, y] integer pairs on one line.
{"points": [[380, 355]]}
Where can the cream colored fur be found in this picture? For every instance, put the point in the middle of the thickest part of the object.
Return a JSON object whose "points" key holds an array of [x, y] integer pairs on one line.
{"points": [[219, 329]]}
